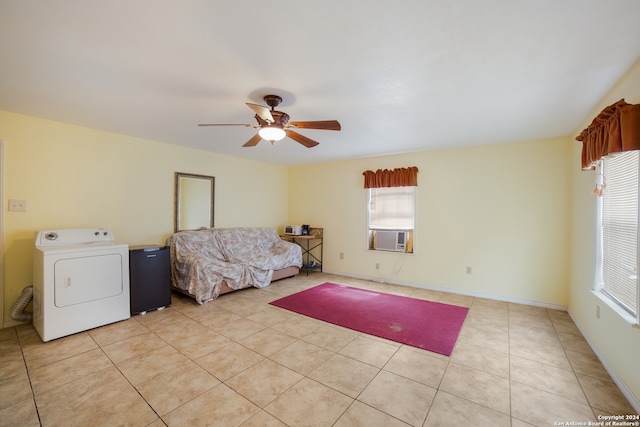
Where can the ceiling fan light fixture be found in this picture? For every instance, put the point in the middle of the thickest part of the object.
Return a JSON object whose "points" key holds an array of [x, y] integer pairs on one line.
{"points": [[272, 133]]}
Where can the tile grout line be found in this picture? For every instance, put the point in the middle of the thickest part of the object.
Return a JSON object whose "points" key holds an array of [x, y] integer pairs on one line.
{"points": [[122, 373], [27, 370]]}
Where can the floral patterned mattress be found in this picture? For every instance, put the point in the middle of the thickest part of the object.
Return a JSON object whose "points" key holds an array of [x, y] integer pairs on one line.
{"points": [[242, 257]]}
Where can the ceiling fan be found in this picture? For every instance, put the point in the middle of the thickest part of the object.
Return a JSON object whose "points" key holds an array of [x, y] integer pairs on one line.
{"points": [[275, 125]]}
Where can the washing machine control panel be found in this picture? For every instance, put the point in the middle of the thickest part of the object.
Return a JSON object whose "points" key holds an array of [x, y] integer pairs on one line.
{"points": [[72, 236]]}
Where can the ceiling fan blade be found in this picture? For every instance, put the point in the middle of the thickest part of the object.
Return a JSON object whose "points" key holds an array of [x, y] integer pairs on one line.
{"points": [[227, 124], [253, 141], [320, 124], [307, 142], [261, 111]]}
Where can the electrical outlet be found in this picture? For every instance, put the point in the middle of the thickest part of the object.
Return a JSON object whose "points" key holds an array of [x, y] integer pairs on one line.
{"points": [[341, 255], [17, 205], [468, 270], [597, 311], [377, 266]]}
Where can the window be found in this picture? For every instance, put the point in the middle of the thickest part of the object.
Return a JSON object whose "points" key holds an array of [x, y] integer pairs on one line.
{"points": [[391, 209], [617, 232]]}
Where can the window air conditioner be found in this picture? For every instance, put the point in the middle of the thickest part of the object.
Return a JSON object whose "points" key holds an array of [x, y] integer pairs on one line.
{"points": [[391, 240]]}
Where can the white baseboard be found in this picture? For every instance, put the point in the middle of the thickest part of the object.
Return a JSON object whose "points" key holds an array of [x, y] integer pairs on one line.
{"points": [[614, 375], [452, 291], [9, 323]]}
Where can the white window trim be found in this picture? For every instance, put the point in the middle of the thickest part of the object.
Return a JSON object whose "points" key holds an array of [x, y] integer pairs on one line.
{"points": [[597, 277], [626, 316]]}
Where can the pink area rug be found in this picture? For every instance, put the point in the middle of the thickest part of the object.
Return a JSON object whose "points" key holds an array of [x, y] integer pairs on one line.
{"points": [[424, 324]]}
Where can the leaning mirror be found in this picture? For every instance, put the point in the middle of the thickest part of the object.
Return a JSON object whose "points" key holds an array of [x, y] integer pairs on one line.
{"points": [[194, 196]]}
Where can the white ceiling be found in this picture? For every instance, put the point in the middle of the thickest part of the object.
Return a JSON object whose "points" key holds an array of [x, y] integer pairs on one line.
{"points": [[400, 76]]}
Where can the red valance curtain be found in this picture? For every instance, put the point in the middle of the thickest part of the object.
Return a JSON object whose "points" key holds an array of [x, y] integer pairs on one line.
{"points": [[399, 177], [615, 129]]}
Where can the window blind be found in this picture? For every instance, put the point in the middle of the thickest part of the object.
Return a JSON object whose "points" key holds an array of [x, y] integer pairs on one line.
{"points": [[620, 229], [392, 208]]}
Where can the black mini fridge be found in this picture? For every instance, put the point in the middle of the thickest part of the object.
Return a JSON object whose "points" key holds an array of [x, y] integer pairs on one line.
{"points": [[149, 278]]}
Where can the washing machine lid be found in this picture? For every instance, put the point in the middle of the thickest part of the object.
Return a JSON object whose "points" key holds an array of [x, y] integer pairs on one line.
{"points": [[73, 236]]}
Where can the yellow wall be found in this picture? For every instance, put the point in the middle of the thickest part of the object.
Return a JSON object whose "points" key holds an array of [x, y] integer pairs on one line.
{"points": [[615, 340], [500, 209], [78, 177]]}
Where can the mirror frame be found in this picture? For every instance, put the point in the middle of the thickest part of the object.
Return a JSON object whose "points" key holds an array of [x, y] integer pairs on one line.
{"points": [[176, 205]]}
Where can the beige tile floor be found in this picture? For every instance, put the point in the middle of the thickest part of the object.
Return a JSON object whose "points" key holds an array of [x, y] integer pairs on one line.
{"points": [[238, 361]]}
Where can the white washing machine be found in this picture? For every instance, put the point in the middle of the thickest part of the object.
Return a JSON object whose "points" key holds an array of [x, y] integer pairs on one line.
{"points": [[80, 281]]}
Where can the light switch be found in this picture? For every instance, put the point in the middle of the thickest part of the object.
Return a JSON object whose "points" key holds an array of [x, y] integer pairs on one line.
{"points": [[17, 205]]}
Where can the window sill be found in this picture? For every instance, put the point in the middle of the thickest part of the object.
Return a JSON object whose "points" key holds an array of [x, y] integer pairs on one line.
{"points": [[626, 316]]}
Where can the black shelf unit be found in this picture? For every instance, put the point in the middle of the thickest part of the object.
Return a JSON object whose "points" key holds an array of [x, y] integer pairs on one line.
{"points": [[308, 243]]}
